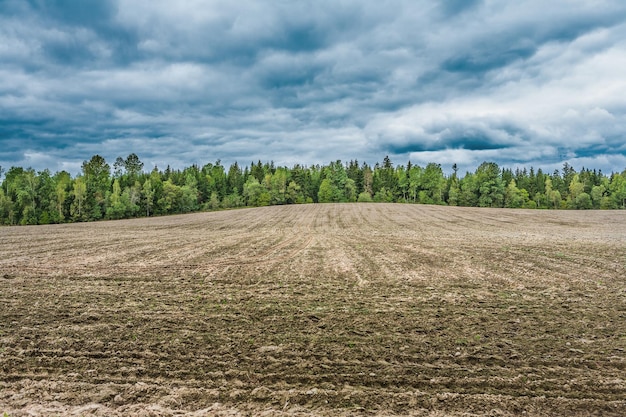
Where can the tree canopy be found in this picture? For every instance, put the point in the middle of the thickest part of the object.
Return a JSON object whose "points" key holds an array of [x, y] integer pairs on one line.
{"points": [[97, 192]]}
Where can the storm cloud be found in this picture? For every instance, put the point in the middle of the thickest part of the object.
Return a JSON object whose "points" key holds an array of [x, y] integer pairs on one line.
{"points": [[519, 83]]}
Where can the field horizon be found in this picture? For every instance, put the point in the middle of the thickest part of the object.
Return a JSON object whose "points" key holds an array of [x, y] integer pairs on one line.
{"points": [[317, 309]]}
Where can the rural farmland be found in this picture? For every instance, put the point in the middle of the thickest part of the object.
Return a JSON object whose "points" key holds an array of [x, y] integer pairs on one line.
{"points": [[319, 309]]}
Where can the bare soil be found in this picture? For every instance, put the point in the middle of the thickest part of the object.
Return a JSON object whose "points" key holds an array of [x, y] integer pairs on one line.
{"points": [[317, 310]]}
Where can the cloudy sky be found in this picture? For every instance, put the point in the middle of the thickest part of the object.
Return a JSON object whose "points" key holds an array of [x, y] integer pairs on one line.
{"points": [[521, 83]]}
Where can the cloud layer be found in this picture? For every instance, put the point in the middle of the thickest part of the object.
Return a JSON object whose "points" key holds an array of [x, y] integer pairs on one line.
{"points": [[520, 83]]}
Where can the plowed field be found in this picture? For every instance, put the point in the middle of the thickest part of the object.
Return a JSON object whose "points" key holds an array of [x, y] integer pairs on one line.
{"points": [[353, 309]]}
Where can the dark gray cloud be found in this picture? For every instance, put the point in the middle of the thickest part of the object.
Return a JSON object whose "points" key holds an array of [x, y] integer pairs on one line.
{"points": [[486, 61], [519, 83]]}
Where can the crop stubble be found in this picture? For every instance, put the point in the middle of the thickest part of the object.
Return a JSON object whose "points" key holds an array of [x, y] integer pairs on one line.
{"points": [[334, 309]]}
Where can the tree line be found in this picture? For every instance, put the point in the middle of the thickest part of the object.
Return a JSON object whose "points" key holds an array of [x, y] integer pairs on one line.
{"points": [[126, 190]]}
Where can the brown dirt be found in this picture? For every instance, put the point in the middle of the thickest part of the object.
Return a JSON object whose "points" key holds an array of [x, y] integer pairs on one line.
{"points": [[354, 309]]}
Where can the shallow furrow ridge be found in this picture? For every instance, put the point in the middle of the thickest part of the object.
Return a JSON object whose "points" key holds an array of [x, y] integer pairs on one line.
{"points": [[329, 309]]}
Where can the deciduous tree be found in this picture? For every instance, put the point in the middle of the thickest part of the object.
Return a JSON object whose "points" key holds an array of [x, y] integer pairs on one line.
{"points": [[148, 195], [80, 194], [490, 185]]}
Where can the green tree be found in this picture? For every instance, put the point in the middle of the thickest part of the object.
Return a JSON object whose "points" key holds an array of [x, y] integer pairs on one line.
{"points": [[116, 208], [46, 196], [21, 189], [6, 208], [233, 200], [294, 193], [433, 184], [557, 183], [26, 196], [388, 178], [575, 189], [327, 191], [350, 191], [546, 200], [148, 195], [583, 201], [97, 179], [156, 181], [403, 182], [253, 192], [170, 201], [415, 182], [235, 179], [617, 186], [214, 202], [553, 195], [490, 186], [597, 194], [368, 179], [131, 198], [568, 176], [469, 190], [278, 186], [62, 189], [555, 199], [118, 167], [355, 173], [133, 166], [454, 192], [365, 197], [337, 176], [217, 179], [189, 194], [384, 196], [513, 198], [80, 193], [257, 171]]}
